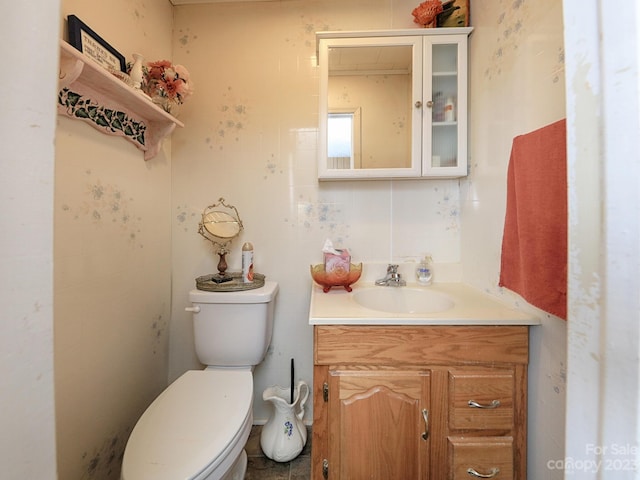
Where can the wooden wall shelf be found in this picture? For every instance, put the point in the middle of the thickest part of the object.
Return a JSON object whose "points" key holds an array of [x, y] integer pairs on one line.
{"points": [[91, 93]]}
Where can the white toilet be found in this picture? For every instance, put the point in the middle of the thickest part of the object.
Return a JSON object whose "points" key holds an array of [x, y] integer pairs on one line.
{"points": [[197, 428]]}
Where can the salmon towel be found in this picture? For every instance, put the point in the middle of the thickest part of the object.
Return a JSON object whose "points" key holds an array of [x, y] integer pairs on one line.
{"points": [[534, 243]]}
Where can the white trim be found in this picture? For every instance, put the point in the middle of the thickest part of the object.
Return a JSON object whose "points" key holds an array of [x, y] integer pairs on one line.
{"points": [[603, 133]]}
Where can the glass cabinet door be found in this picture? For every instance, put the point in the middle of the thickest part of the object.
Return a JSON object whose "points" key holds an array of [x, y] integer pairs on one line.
{"points": [[445, 118]]}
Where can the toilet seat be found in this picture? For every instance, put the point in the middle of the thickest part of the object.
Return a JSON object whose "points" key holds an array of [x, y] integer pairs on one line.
{"points": [[199, 424]]}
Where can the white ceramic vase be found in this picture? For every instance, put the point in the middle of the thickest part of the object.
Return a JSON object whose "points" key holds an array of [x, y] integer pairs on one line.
{"points": [[136, 74], [285, 435]]}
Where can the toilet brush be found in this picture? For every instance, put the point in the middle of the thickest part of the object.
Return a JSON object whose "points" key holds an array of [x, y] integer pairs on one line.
{"points": [[292, 379]]}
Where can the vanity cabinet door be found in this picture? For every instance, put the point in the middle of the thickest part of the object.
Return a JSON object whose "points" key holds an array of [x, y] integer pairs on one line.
{"points": [[444, 122], [378, 424]]}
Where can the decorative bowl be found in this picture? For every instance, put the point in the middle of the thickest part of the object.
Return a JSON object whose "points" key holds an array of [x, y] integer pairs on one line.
{"points": [[336, 278]]}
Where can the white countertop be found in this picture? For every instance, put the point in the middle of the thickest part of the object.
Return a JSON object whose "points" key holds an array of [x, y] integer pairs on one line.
{"points": [[472, 307]]}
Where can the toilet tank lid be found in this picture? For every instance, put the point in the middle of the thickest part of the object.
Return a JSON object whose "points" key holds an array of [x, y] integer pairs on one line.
{"points": [[264, 294], [189, 425]]}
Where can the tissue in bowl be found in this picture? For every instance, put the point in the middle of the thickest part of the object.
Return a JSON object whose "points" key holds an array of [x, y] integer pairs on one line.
{"points": [[337, 264]]}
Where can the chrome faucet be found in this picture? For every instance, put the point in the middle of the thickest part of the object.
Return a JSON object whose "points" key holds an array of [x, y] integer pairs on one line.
{"points": [[392, 278]]}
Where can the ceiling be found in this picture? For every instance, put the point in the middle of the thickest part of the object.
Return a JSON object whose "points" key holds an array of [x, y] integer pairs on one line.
{"points": [[190, 2], [369, 60]]}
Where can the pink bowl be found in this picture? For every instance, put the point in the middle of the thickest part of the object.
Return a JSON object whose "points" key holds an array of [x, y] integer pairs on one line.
{"points": [[340, 278]]}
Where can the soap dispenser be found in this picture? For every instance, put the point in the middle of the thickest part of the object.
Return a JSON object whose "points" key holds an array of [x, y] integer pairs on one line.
{"points": [[423, 271]]}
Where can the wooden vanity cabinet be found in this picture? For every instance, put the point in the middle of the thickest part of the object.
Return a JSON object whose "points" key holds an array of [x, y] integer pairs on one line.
{"points": [[419, 402]]}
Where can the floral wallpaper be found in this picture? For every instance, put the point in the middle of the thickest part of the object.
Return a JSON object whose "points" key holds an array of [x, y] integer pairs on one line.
{"points": [[107, 205], [328, 219], [232, 119], [510, 25], [515, 22], [448, 209], [304, 34]]}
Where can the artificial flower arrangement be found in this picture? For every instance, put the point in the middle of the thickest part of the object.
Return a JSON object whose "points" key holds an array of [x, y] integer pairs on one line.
{"points": [[426, 14], [166, 84]]}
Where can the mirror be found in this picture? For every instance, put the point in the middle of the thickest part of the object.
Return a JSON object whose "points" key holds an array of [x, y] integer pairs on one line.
{"points": [[367, 116], [375, 80], [220, 224]]}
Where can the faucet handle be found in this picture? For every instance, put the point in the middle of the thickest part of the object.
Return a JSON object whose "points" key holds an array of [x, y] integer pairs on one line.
{"points": [[392, 268]]}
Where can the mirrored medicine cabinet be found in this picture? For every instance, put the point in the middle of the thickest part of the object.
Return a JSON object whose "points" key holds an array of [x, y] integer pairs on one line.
{"points": [[393, 104]]}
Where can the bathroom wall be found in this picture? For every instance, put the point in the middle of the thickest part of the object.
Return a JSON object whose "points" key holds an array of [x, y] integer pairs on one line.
{"points": [[517, 85], [251, 137], [27, 128], [112, 280]]}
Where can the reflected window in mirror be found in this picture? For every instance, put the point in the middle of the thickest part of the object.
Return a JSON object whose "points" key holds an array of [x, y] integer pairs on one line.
{"points": [[343, 138]]}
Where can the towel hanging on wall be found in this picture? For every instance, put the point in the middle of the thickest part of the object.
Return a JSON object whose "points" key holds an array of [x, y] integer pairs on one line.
{"points": [[534, 243]]}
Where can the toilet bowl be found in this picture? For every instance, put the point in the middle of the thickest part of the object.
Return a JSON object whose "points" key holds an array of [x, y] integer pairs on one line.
{"points": [[197, 428]]}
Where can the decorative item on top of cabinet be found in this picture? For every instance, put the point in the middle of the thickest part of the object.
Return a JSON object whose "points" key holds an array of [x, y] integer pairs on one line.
{"points": [[424, 402], [382, 104], [426, 14], [90, 93], [455, 13]]}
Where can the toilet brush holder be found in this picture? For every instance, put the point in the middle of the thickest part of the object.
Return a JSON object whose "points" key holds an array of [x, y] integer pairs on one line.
{"points": [[284, 435]]}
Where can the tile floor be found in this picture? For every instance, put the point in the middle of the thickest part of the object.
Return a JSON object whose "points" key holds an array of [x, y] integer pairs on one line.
{"points": [[262, 468]]}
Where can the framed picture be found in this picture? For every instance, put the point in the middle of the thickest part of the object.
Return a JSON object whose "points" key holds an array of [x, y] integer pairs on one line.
{"points": [[93, 45], [455, 14]]}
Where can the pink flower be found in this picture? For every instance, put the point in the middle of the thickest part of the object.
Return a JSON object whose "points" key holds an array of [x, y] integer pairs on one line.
{"points": [[156, 69], [427, 12], [162, 79], [182, 72]]}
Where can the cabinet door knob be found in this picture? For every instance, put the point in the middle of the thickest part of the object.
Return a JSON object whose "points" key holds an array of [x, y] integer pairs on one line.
{"points": [[418, 104], [492, 473], [430, 104]]}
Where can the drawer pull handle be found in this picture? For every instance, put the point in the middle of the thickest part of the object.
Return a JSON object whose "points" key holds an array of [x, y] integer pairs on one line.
{"points": [[425, 417], [493, 404], [492, 473]]}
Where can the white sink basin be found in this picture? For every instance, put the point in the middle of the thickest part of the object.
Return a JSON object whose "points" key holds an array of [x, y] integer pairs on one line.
{"points": [[403, 300]]}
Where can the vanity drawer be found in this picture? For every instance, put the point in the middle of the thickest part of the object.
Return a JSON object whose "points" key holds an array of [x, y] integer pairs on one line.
{"points": [[481, 457], [421, 345], [481, 399]]}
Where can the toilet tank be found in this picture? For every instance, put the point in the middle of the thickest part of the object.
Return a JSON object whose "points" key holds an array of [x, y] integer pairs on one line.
{"points": [[233, 329]]}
